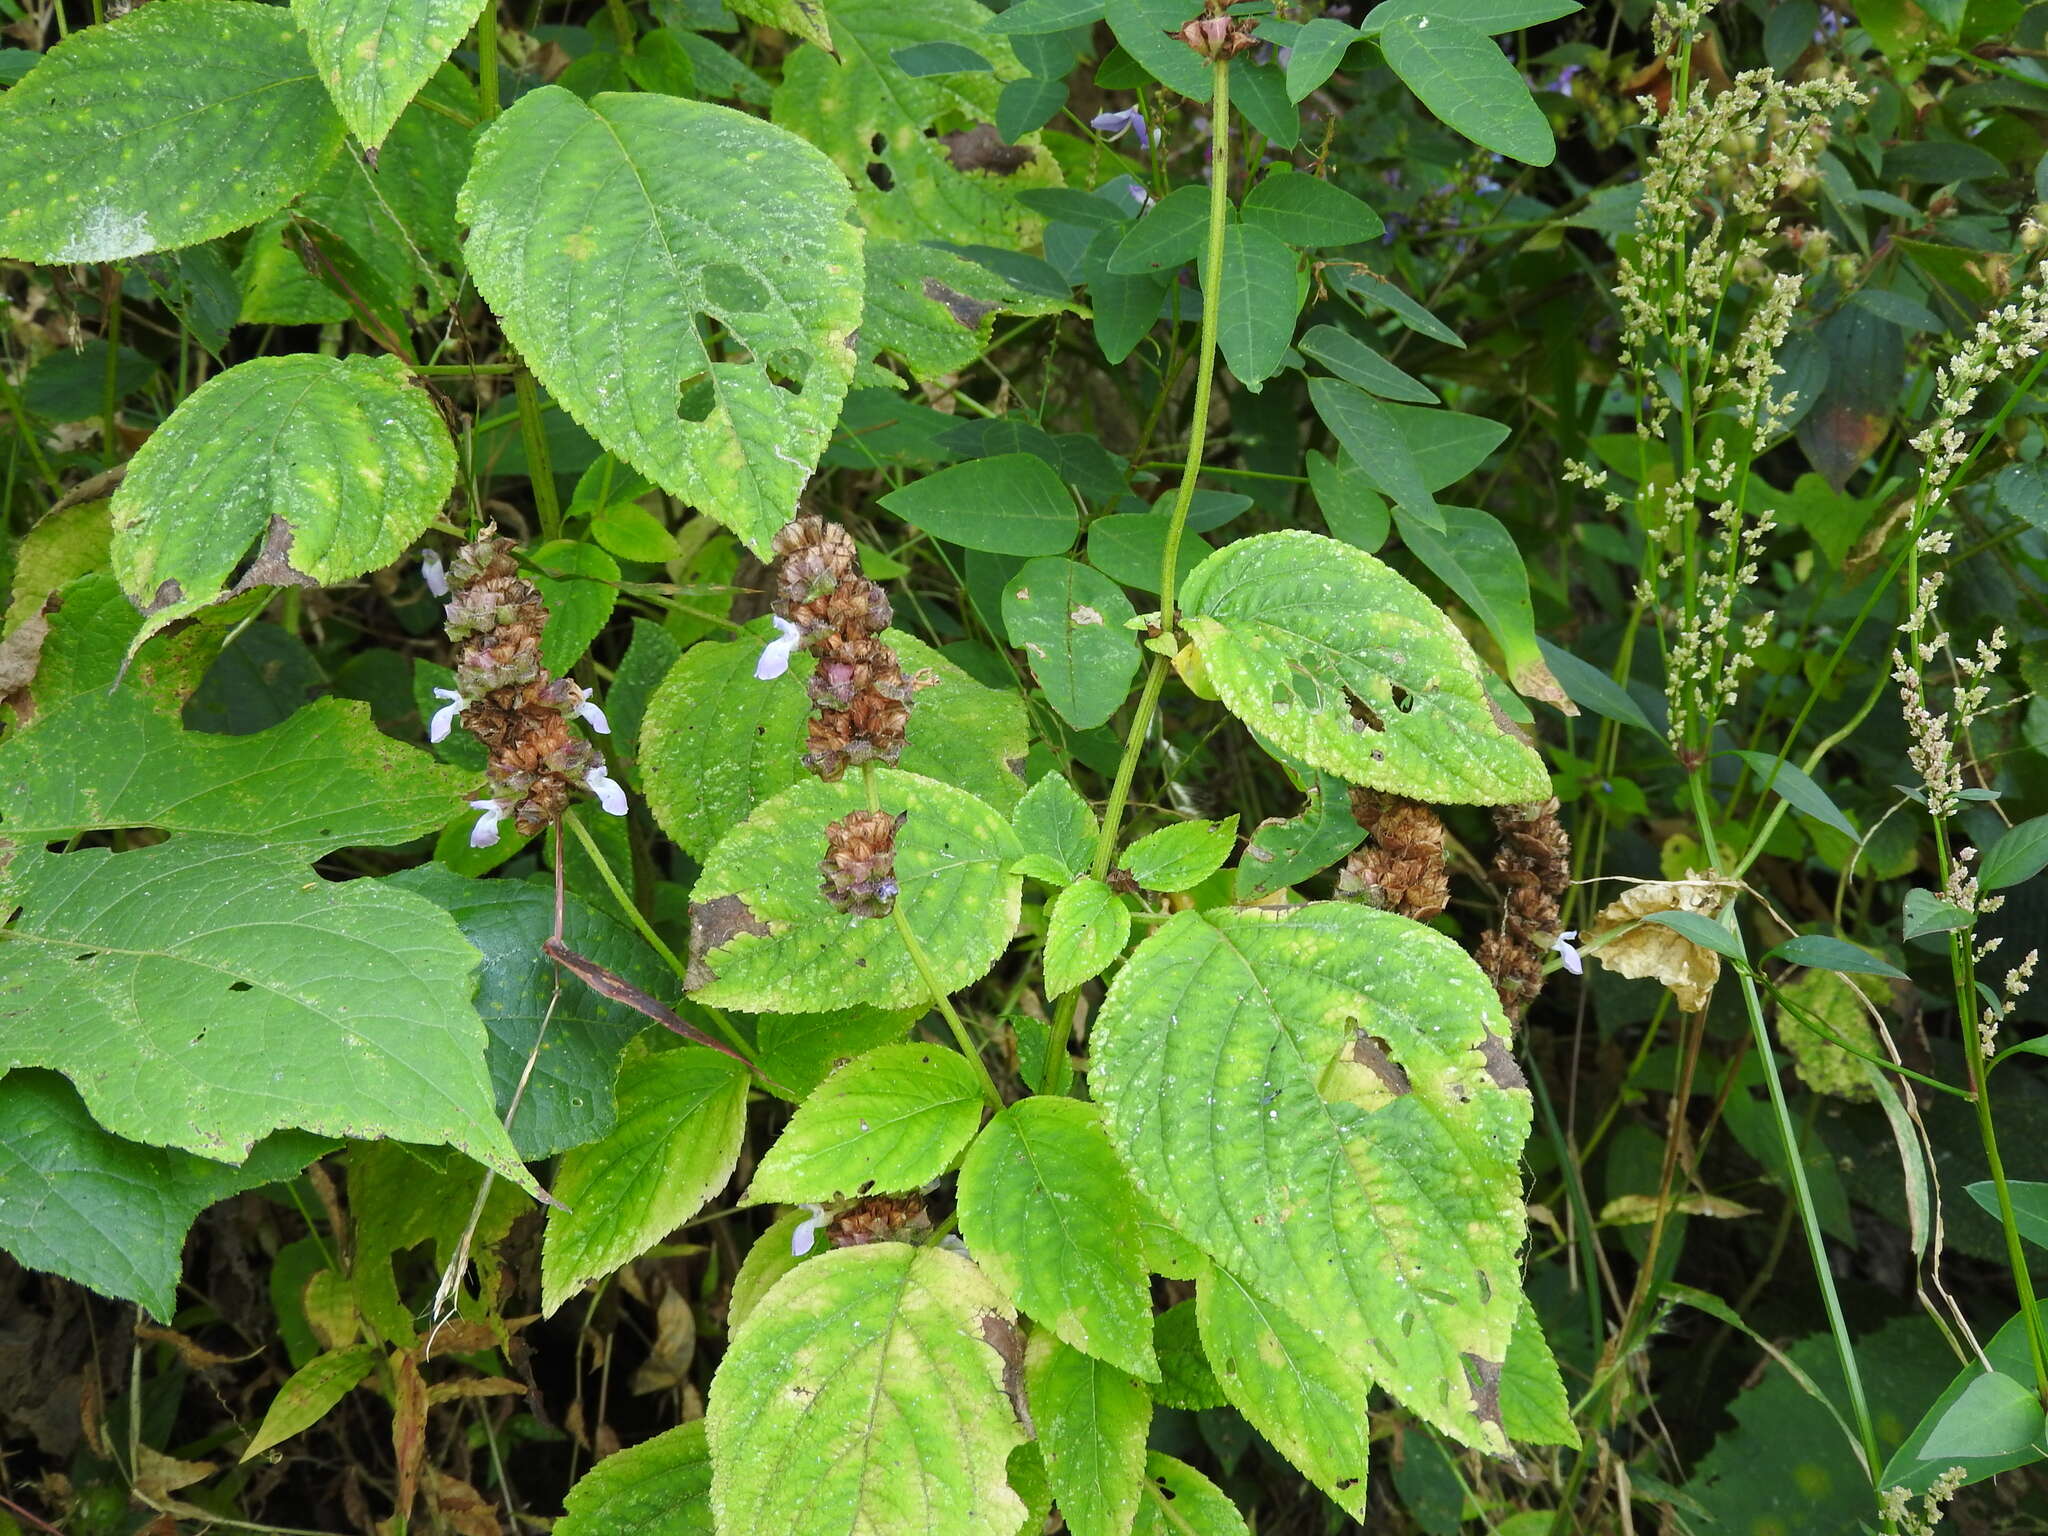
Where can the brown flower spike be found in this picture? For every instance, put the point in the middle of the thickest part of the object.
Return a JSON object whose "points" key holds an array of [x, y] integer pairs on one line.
{"points": [[1533, 865], [1402, 868], [860, 863], [505, 698]]}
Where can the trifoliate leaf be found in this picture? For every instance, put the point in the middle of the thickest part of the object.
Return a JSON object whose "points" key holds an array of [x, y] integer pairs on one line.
{"points": [[1092, 1420], [374, 59], [658, 215], [891, 1120], [1323, 1099], [866, 1393], [1086, 931]]}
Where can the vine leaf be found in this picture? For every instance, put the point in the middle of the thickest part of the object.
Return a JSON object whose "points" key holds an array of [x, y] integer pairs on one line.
{"points": [[1068, 619], [106, 1212], [171, 125], [681, 1114], [321, 467], [893, 1119], [660, 1487], [1462, 76], [1289, 1385], [1092, 1421], [719, 741], [859, 1366], [655, 212], [1333, 658], [1086, 931], [1322, 1098], [374, 59], [207, 989], [761, 931], [1051, 1217]]}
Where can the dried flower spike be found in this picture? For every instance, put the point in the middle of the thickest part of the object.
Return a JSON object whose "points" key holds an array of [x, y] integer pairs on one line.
{"points": [[860, 863], [1533, 866], [1402, 868]]}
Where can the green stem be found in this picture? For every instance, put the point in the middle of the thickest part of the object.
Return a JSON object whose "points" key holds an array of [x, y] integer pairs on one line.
{"points": [[25, 435], [2016, 1256], [622, 23], [110, 438], [487, 59], [540, 470]]}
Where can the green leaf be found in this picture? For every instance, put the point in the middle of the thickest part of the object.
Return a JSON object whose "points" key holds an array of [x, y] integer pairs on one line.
{"points": [[1027, 105], [1336, 660], [1149, 31], [1830, 954], [1130, 548], [323, 467], [917, 60], [401, 1197], [1051, 1217], [1488, 16], [1318, 50], [2020, 853], [375, 60], [652, 210], [1179, 1501], [1995, 1416], [719, 741], [1259, 93], [1447, 445], [1352, 507], [1011, 504], [1289, 1385], [1169, 234], [1533, 1405], [1702, 930], [1283, 853], [681, 1115], [1180, 857], [801, 1050], [168, 1013], [660, 1487], [859, 1367], [311, 1390], [1927, 913], [1356, 363], [1912, 1468], [1039, 16], [1259, 296], [1186, 1380], [1088, 928], [1055, 823], [2029, 1206], [1475, 556], [919, 182], [1462, 76], [890, 1120], [1373, 438], [107, 1213], [1367, 1183], [580, 585], [936, 310], [1092, 1421], [1796, 787], [1069, 622], [1593, 689], [167, 127], [1310, 212], [799, 18]]}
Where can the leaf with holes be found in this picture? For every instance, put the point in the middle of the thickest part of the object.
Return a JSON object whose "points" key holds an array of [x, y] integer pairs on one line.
{"points": [[681, 1113], [321, 468], [1068, 620], [1323, 1099], [169, 126], [683, 255], [891, 1120], [924, 158], [1179, 1501], [169, 1012], [718, 741], [375, 58], [858, 1366], [1338, 661], [1092, 1420], [935, 310], [660, 1487], [1050, 1215]]}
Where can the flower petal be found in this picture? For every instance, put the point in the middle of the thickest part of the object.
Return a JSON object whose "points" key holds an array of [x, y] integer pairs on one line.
{"points": [[804, 1235], [434, 573], [592, 716], [775, 655], [609, 795], [446, 716], [485, 833]]}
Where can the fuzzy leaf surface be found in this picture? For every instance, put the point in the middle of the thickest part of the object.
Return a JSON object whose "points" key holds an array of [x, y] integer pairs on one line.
{"points": [[1092, 1421], [890, 1120], [374, 58], [660, 1487], [1086, 931]]}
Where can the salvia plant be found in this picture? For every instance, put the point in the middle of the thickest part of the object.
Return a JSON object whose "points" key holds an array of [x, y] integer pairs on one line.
{"points": [[938, 769]]}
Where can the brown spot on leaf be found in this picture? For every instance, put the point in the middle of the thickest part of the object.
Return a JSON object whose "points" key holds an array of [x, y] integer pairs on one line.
{"points": [[1501, 1065], [272, 566], [167, 593], [714, 923], [1363, 713], [981, 148], [968, 311], [1483, 1376], [1002, 1336], [1371, 1052]]}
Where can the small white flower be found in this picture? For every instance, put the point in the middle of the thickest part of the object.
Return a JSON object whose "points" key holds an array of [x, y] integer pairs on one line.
{"points": [[609, 795], [485, 833], [775, 656], [1568, 952], [434, 573], [446, 716], [805, 1233], [592, 716]]}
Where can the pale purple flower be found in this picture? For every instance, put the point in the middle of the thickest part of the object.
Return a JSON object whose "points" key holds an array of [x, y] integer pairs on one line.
{"points": [[775, 655], [804, 1235], [609, 795], [1114, 125], [446, 716], [593, 717], [485, 833], [1568, 952], [434, 573]]}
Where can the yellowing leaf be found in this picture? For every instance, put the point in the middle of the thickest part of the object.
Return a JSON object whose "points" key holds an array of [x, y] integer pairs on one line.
{"points": [[1651, 949]]}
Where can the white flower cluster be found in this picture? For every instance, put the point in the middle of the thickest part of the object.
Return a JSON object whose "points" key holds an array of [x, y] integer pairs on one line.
{"points": [[1708, 656]]}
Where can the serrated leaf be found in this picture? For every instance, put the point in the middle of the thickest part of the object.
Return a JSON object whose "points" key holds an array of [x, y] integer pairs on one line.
{"points": [[890, 1120], [1009, 504], [1051, 1217], [1068, 620], [309, 1393], [168, 1012], [1181, 856], [801, 1050], [1258, 297], [660, 1487], [1179, 1501], [1186, 1379], [566, 1099], [1289, 1385], [108, 1213], [654, 212], [1087, 929], [1463, 77], [325, 467], [858, 1365], [1533, 1405], [1323, 1099], [799, 18], [718, 741], [1092, 1421], [375, 59], [1338, 661], [1310, 212], [1053, 822], [935, 310], [166, 127], [579, 583], [681, 1114]]}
